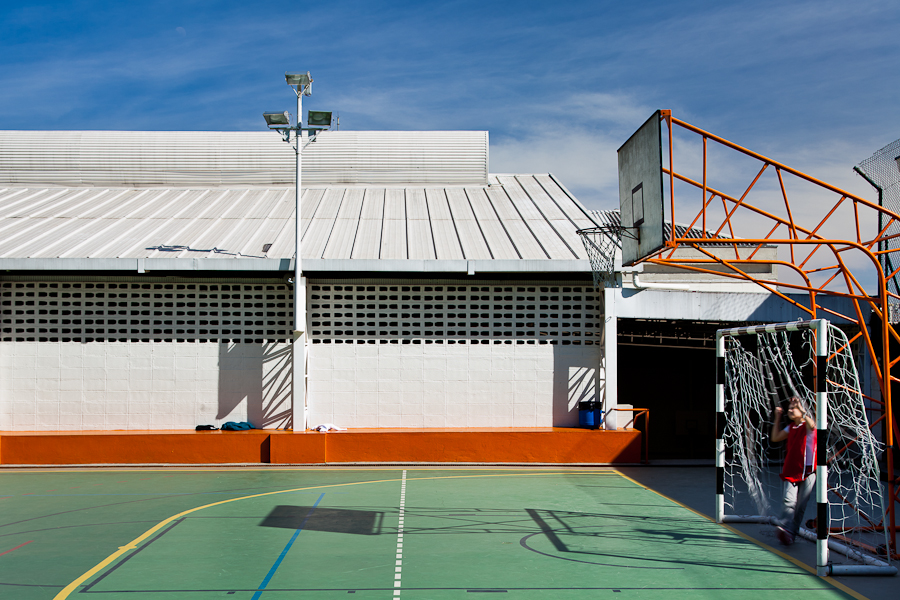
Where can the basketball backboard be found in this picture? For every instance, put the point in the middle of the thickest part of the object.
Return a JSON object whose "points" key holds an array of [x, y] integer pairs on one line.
{"points": [[641, 192]]}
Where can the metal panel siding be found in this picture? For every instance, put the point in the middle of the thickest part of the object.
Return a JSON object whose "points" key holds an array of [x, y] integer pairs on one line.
{"points": [[266, 233], [42, 238], [459, 205], [373, 205], [397, 157], [340, 245], [283, 207], [16, 244], [546, 235], [351, 206], [315, 237], [540, 198], [579, 215], [239, 159], [309, 204], [94, 200], [498, 240], [132, 202], [83, 231], [522, 237], [331, 203], [570, 216], [408, 224], [446, 240], [393, 239], [212, 239], [470, 236], [144, 158], [438, 209], [494, 233], [257, 204], [368, 238], [472, 240], [420, 241], [395, 204], [416, 205], [47, 206], [29, 202], [525, 241]]}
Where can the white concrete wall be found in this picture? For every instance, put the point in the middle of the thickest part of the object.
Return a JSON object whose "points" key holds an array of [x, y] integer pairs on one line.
{"points": [[46, 386], [79, 378], [441, 385]]}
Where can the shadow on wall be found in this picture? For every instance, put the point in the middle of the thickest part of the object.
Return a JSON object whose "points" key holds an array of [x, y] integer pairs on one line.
{"points": [[575, 379], [257, 375]]}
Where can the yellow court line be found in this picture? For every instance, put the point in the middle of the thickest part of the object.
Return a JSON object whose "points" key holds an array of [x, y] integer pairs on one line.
{"points": [[64, 593], [763, 545], [443, 467]]}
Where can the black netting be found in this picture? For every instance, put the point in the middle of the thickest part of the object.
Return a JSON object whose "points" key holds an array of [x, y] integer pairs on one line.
{"points": [[883, 171]]}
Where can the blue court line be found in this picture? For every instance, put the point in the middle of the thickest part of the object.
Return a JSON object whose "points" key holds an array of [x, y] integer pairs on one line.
{"points": [[284, 552]]}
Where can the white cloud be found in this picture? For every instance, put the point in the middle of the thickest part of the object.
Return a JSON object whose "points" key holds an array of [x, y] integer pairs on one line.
{"points": [[576, 139]]}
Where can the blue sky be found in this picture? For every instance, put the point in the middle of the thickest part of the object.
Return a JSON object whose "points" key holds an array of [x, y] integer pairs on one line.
{"points": [[559, 85]]}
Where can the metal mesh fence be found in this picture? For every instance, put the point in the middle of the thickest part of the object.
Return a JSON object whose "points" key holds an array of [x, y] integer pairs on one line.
{"points": [[882, 170]]}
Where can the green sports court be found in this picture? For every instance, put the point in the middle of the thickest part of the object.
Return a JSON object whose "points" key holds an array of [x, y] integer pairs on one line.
{"points": [[374, 533]]}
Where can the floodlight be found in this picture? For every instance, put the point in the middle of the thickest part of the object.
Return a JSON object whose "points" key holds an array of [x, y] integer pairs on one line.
{"points": [[298, 78], [301, 82], [277, 120], [318, 118], [898, 162]]}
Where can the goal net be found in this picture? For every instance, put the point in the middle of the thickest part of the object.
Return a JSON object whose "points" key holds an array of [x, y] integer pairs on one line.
{"points": [[761, 368]]}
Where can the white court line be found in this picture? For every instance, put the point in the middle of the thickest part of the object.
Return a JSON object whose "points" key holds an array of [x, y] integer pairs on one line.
{"points": [[399, 561]]}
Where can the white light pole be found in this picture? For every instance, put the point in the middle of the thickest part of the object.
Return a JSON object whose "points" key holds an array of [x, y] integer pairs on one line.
{"points": [[301, 83]]}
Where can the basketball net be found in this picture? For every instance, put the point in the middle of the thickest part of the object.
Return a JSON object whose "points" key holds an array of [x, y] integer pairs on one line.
{"points": [[601, 244]]}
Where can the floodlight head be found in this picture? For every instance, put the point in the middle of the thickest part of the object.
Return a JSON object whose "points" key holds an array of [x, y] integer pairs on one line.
{"points": [[277, 120], [318, 118], [301, 81]]}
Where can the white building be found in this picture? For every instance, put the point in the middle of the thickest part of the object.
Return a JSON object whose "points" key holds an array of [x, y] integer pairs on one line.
{"points": [[143, 280], [144, 283]]}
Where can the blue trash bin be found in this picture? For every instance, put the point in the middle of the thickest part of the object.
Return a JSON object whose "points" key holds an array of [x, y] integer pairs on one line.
{"points": [[589, 415]]}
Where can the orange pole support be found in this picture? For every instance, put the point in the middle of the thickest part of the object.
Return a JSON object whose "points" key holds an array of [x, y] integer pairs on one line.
{"points": [[637, 412], [834, 274], [704, 188], [784, 167], [667, 114], [787, 206]]}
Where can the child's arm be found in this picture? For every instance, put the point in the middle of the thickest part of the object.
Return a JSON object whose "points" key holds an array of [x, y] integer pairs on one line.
{"points": [[810, 422], [778, 434]]}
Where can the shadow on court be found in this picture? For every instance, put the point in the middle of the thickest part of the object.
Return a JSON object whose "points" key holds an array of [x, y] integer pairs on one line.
{"points": [[329, 520]]}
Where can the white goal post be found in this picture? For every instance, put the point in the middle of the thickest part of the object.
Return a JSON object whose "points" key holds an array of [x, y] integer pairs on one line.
{"points": [[747, 462]]}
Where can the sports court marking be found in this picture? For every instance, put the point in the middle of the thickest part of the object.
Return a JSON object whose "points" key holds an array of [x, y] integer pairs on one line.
{"points": [[787, 557], [133, 545], [528, 534], [16, 548]]}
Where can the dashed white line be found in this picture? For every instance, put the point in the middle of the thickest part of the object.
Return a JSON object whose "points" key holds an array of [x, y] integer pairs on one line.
{"points": [[399, 563]]}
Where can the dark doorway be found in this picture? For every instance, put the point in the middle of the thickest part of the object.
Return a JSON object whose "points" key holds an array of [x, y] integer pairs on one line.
{"points": [[669, 367]]}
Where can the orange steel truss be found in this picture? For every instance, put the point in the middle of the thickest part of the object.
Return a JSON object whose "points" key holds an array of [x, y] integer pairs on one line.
{"points": [[819, 263]]}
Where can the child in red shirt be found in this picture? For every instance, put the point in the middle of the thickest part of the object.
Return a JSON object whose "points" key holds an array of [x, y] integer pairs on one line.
{"points": [[799, 470]]}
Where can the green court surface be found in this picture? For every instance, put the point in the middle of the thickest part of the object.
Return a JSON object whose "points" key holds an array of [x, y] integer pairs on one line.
{"points": [[374, 533]]}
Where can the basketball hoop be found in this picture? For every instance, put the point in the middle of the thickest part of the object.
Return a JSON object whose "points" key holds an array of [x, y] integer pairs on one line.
{"points": [[601, 244]]}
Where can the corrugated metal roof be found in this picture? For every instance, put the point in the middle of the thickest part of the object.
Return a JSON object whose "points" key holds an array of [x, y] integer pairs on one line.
{"points": [[526, 220], [144, 159]]}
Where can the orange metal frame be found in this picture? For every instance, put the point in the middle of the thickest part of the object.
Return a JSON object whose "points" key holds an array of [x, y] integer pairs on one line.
{"points": [[828, 272], [635, 413]]}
